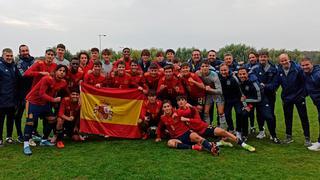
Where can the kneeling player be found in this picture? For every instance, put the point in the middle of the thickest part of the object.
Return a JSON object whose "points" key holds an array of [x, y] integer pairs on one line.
{"points": [[191, 117], [68, 118], [150, 115], [181, 136]]}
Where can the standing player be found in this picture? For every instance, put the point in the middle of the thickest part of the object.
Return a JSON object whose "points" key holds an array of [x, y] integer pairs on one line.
{"points": [[193, 85], [312, 84], [213, 93], [291, 79], [38, 105], [25, 61], [229, 61], [120, 78], [59, 59], [213, 60], [231, 96], [137, 79], [75, 74], [42, 67], [169, 86], [152, 76], [125, 58], [8, 92], [253, 96], [38, 70], [84, 62], [106, 62], [96, 78], [145, 62], [266, 72]]}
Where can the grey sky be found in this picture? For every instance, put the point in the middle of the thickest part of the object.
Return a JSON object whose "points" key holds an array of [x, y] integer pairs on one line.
{"points": [[139, 24]]}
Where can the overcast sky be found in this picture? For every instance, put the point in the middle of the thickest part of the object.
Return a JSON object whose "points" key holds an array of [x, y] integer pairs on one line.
{"points": [[139, 24]]}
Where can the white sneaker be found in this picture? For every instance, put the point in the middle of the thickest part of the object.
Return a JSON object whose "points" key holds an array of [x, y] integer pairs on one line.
{"points": [[238, 135], [315, 147], [32, 143], [261, 135]]}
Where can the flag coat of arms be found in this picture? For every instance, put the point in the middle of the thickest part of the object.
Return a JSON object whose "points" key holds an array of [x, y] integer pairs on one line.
{"points": [[109, 111]]}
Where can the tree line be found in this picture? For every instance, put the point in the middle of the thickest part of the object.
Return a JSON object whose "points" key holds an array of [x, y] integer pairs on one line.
{"points": [[239, 51]]}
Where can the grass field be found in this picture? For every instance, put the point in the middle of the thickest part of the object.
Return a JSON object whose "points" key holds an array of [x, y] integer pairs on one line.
{"points": [[138, 159]]}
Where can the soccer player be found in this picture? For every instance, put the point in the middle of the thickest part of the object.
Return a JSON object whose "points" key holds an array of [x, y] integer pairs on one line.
{"points": [[106, 63], [169, 86], [193, 85], [125, 58], [96, 78], [170, 56], [312, 85], [291, 79], [84, 62], [191, 117], [231, 96], [120, 78], [38, 104], [160, 61], [24, 85], [145, 62], [180, 134], [42, 67], [68, 118], [94, 55], [266, 72], [59, 59], [137, 79], [152, 76], [39, 69], [213, 93], [9, 76], [253, 96], [150, 115], [75, 74]]}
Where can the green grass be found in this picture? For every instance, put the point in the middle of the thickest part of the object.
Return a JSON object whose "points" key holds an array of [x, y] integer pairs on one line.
{"points": [[138, 159]]}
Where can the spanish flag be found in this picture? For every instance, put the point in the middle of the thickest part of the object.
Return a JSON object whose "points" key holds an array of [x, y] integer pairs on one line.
{"points": [[110, 111]]}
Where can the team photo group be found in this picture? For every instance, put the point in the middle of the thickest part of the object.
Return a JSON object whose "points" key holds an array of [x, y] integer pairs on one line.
{"points": [[181, 96]]}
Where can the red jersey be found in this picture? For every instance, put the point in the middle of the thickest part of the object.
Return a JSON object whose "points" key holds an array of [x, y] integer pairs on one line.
{"points": [[195, 122], [93, 80], [137, 79], [151, 109], [69, 108], [127, 64], [170, 84], [152, 82], [36, 68], [175, 126], [194, 92], [122, 82], [45, 91], [73, 79], [88, 67]]}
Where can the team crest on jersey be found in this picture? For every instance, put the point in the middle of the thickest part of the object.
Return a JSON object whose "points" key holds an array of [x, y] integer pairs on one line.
{"points": [[228, 82], [103, 111], [246, 88]]}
